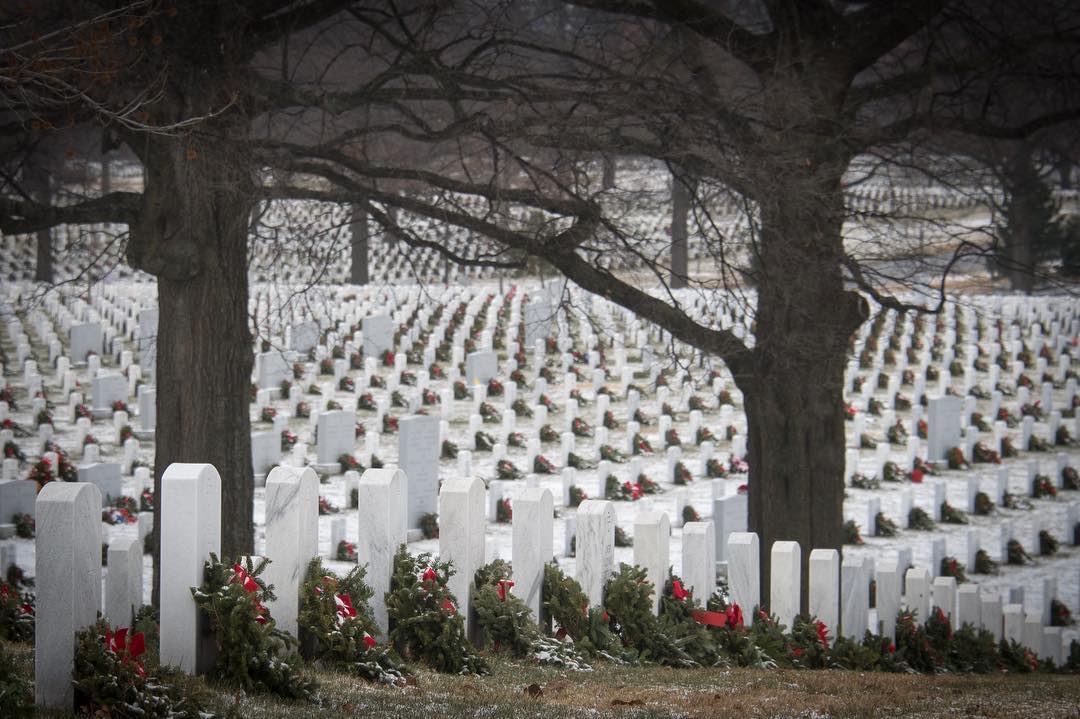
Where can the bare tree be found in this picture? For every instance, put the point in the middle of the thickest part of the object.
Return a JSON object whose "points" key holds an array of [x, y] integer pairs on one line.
{"points": [[488, 119]]}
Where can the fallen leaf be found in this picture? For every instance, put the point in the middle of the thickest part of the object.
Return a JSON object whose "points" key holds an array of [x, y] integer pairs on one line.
{"points": [[534, 690]]}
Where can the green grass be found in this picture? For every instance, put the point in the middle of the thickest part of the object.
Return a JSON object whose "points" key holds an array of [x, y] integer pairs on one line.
{"points": [[613, 691]]}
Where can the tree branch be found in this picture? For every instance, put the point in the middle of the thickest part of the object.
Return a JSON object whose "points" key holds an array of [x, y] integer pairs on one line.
{"points": [[20, 216]]}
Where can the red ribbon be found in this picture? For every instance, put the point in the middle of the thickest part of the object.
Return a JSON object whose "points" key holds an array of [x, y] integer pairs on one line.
{"points": [[245, 580], [129, 649], [448, 607], [369, 640], [345, 609], [711, 619], [732, 617], [677, 589], [504, 584], [823, 634], [249, 584]]}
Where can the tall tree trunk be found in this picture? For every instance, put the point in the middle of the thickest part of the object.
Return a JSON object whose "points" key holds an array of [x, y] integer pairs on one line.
{"points": [[681, 195], [38, 186], [793, 388], [1029, 212], [1064, 166], [193, 234], [358, 228], [608, 179]]}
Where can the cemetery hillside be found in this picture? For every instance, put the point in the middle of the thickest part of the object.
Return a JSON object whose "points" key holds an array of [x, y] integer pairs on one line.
{"points": [[539, 358]]}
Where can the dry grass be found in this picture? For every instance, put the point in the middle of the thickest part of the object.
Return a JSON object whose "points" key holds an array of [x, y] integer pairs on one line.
{"points": [[613, 691]]}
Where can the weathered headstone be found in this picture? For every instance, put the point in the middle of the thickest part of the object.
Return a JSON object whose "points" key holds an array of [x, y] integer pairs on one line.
{"points": [[107, 477], [17, 496], [968, 606], [917, 593], [124, 581], [944, 422], [418, 456], [336, 436], [265, 454], [532, 545], [271, 369], [147, 411], [190, 532], [147, 339], [887, 597], [537, 318], [303, 337], [854, 598], [786, 582], [651, 535], [86, 338], [480, 367], [461, 540], [744, 572], [595, 547], [699, 559], [105, 391], [824, 583], [68, 584], [381, 530], [943, 592], [292, 537], [729, 515], [378, 335]]}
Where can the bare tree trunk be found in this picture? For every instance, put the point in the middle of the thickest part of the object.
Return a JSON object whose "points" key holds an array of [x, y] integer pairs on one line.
{"points": [[358, 227], [608, 181], [38, 186], [106, 174], [193, 235], [681, 194], [1028, 212], [43, 269], [793, 389], [1064, 169]]}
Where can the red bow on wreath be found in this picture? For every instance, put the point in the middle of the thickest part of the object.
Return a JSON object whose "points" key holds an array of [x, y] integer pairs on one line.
{"points": [[128, 649], [677, 589], [823, 634], [732, 617], [429, 578], [504, 584], [245, 580], [345, 609]]}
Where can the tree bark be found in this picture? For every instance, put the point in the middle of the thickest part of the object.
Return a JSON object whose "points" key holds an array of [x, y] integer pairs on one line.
{"points": [[1064, 167], [192, 234], [608, 179], [1028, 215], [681, 194], [793, 388], [358, 228], [38, 186]]}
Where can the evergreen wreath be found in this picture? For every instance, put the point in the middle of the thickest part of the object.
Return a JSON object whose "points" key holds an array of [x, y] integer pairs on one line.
{"points": [[565, 602], [335, 615], [628, 602], [16, 613], [508, 624], [251, 651], [425, 625], [110, 679]]}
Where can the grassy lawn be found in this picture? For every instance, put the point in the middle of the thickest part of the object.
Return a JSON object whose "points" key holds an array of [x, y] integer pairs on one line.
{"points": [[659, 692]]}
